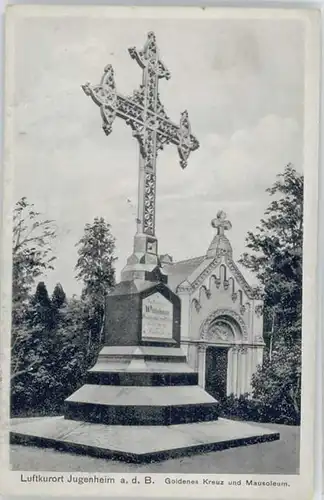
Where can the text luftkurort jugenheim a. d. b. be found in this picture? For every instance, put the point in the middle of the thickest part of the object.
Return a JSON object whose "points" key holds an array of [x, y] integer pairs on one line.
{"points": [[148, 480]]}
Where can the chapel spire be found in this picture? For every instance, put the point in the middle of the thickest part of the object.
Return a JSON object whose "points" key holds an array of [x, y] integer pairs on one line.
{"points": [[220, 244]]}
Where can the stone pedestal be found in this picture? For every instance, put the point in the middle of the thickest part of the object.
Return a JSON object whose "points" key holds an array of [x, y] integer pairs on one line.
{"points": [[142, 313], [141, 386], [141, 400]]}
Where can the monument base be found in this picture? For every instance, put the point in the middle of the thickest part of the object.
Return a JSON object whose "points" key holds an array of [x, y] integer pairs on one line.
{"points": [[137, 444], [139, 404], [141, 385]]}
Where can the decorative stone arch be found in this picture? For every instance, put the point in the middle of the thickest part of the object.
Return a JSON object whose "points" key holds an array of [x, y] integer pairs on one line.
{"points": [[234, 322], [204, 291], [231, 284], [223, 362], [214, 280], [196, 304], [223, 272]]}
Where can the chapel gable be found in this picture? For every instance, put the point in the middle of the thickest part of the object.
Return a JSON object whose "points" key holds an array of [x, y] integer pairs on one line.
{"points": [[221, 314], [214, 285]]}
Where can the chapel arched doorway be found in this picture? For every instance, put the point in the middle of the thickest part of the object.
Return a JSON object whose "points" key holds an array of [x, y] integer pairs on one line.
{"points": [[216, 371], [222, 333]]}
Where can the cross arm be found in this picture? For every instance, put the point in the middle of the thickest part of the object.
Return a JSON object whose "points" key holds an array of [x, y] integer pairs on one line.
{"points": [[105, 96], [179, 135], [166, 131], [132, 110], [150, 55]]}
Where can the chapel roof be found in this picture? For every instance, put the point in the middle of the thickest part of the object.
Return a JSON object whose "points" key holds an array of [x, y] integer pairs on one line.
{"points": [[177, 272], [190, 269]]}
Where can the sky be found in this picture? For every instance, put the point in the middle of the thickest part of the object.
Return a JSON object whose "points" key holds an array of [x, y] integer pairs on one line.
{"points": [[242, 82]]}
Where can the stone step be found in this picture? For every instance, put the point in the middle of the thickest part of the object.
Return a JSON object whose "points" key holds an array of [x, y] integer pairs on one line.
{"points": [[132, 363], [141, 415], [138, 444], [137, 395], [106, 365], [140, 359], [169, 354], [154, 405], [140, 378]]}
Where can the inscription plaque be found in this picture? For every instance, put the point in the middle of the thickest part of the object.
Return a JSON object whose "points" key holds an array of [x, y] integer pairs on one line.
{"points": [[157, 317]]}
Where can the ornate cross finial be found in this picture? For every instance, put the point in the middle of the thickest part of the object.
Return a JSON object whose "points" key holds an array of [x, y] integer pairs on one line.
{"points": [[221, 223], [150, 55], [150, 124], [144, 113]]}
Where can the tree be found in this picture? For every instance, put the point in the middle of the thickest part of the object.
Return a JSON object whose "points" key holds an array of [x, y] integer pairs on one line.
{"points": [[41, 310], [31, 248], [59, 305], [32, 257], [58, 296], [24, 355], [95, 267], [54, 348], [276, 258], [277, 384], [73, 334], [30, 345]]}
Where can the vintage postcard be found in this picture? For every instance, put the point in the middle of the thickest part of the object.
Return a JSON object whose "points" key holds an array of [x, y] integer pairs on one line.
{"points": [[159, 252]]}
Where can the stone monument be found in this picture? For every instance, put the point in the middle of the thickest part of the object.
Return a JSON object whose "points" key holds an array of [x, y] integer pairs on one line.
{"points": [[143, 285], [141, 400]]}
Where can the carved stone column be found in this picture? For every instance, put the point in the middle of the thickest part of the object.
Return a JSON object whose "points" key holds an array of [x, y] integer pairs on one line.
{"points": [[202, 364], [234, 373], [243, 369], [249, 370], [259, 355], [229, 372], [239, 372]]}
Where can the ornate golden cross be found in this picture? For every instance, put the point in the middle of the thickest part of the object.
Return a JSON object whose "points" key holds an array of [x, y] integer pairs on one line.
{"points": [[150, 124]]}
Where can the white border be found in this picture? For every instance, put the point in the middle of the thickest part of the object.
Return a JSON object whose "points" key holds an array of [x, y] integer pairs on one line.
{"points": [[302, 485]]}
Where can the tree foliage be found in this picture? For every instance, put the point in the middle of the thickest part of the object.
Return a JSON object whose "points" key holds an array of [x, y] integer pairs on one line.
{"points": [[277, 383], [95, 268], [275, 256], [53, 337], [32, 257], [31, 248], [58, 296], [95, 264], [55, 346]]}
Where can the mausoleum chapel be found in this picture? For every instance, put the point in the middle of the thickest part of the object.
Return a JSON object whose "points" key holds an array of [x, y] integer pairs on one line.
{"points": [[221, 320]]}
